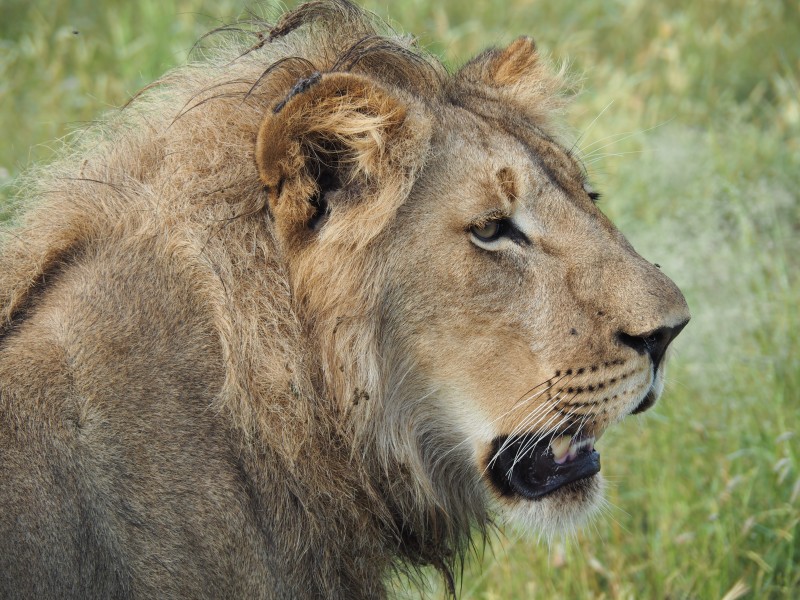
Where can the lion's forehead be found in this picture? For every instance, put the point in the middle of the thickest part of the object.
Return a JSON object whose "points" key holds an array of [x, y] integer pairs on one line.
{"points": [[482, 167]]}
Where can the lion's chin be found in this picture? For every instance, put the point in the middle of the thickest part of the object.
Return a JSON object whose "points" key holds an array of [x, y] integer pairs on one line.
{"points": [[561, 511]]}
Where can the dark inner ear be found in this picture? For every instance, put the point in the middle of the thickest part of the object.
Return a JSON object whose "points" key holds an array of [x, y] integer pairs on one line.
{"points": [[327, 179], [327, 182]]}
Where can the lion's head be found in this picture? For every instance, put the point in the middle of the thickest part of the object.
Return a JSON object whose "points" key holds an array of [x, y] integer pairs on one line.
{"points": [[421, 314], [449, 256]]}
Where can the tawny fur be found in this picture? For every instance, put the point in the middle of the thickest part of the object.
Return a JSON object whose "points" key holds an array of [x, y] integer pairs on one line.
{"points": [[200, 395]]}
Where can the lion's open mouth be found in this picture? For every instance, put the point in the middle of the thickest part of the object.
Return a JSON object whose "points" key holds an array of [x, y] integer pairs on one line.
{"points": [[533, 469]]}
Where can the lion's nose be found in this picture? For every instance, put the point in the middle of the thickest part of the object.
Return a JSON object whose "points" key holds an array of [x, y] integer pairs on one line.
{"points": [[653, 342]]}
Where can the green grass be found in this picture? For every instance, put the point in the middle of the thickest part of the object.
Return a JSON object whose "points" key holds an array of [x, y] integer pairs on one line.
{"points": [[697, 151]]}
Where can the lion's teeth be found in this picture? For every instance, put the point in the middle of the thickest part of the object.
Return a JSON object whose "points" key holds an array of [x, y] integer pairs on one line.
{"points": [[560, 447], [566, 448]]}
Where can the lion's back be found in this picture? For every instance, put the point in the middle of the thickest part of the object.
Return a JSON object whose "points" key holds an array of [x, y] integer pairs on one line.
{"points": [[113, 468]]}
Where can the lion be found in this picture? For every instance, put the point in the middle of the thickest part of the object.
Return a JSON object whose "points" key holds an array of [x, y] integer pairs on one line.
{"points": [[310, 311]]}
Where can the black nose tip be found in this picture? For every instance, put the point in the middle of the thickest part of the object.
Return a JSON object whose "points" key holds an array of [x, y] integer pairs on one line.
{"points": [[653, 343]]}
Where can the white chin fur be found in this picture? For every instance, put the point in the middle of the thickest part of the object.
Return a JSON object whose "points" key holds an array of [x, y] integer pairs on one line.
{"points": [[559, 513]]}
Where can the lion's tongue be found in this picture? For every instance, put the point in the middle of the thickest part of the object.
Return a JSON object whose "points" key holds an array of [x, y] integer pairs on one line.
{"points": [[548, 465]]}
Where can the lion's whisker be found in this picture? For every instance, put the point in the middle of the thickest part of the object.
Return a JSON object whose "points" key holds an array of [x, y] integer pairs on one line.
{"points": [[535, 416], [471, 437], [616, 139], [523, 449], [589, 128], [522, 424], [598, 157], [527, 397], [555, 401], [531, 421], [520, 403], [528, 422], [546, 429]]}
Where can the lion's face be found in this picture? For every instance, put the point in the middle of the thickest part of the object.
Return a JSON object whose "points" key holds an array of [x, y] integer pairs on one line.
{"points": [[536, 321], [462, 243]]}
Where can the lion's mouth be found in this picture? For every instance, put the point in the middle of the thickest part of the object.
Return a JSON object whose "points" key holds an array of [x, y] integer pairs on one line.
{"points": [[532, 469]]}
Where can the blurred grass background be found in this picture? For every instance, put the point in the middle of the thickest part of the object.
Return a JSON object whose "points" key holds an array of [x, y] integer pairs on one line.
{"points": [[689, 123]]}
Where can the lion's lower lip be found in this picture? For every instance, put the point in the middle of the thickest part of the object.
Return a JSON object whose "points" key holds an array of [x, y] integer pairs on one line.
{"points": [[533, 472]]}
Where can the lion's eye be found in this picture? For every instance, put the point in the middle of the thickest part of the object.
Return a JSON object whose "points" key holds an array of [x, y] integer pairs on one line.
{"points": [[593, 195], [487, 232]]}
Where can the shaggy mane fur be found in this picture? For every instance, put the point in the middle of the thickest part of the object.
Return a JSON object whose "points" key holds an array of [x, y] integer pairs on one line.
{"points": [[176, 169]]}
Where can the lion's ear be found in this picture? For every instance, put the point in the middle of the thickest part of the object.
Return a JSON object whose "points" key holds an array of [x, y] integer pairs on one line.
{"points": [[513, 76], [339, 144]]}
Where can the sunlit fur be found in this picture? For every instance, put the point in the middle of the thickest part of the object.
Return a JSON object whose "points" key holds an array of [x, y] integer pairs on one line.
{"points": [[203, 395]]}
